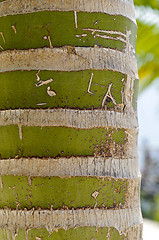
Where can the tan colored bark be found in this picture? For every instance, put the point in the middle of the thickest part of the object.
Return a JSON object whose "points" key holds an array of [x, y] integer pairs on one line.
{"points": [[121, 7], [62, 59], [122, 219], [84, 119], [74, 166]]}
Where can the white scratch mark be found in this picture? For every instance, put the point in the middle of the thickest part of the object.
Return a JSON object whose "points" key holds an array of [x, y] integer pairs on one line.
{"points": [[108, 234], [89, 86], [40, 82], [125, 38], [45, 37], [75, 15], [26, 234], [129, 46], [20, 131], [40, 104], [104, 31], [29, 180], [15, 31], [96, 22], [50, 92], [50, 42], [3, 37], [1, 47], [1, 183], [95, 195], [37, 76], [128, 134], [81, 35], [108, 95], [111, 38]]}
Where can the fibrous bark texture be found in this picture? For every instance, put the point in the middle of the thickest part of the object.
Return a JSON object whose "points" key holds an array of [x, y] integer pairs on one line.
{"points": [[68, 124]]}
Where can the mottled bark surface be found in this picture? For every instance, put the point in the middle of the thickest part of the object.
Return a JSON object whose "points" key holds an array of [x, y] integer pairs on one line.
{"points": [[68, 124]]}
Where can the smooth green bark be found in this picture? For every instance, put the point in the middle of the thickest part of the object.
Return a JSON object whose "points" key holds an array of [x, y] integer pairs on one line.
{"points": [[85, 233], [71, 192], [30, 30], [60, 141], [22, 90]]}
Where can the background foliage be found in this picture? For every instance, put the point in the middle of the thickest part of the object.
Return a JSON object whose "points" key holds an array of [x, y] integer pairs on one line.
{"points": [[147, 13]]}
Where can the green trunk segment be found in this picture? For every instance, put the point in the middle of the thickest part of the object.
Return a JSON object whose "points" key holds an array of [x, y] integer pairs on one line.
{"points": [[35, 30], [85, 233], [4, 234], [60, 141], [72, 192], [80, 233], [20, 89]]}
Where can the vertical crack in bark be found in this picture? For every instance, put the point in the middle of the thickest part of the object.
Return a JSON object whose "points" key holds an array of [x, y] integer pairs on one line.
{"points": [[95, 195], [14, 29], [108, 95], [2, 35], [75, 16], [1, 182], [20, 131]]}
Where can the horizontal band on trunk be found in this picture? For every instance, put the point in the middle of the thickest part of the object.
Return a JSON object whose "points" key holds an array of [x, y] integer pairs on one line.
{"points": [[74, 166], [68, 192], [69, 59], [83, 29], [18, 141], [65, 219], [84, 119], [117, 7]]}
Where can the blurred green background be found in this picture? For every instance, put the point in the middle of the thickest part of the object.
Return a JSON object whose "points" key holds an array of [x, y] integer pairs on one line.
{"points": [[147, 14]]}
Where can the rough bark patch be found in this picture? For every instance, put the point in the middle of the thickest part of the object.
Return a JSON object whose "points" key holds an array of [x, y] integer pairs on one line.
{"points": [[74, 166], [118, 7], [52, 220], [68, 118], [70, 59]]}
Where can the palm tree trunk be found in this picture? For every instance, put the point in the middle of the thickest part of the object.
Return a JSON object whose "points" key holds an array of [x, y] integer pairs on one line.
{"points": [[68, 125]]}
